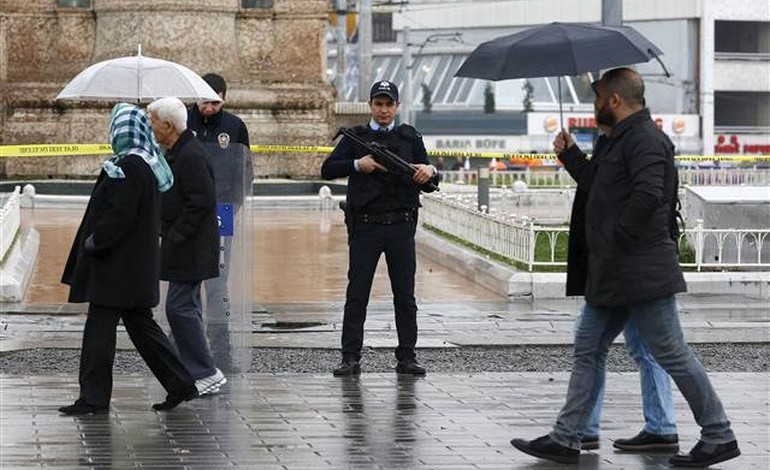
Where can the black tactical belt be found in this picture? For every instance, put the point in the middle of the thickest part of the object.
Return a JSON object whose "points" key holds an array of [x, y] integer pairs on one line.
{"points": [[387, 218]]}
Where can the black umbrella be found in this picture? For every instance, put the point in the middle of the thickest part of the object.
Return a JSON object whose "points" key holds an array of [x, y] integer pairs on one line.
{"points": [[558, 49]]}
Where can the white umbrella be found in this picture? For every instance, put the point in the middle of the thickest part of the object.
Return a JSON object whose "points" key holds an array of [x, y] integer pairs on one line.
{"points": [[137, 78]]}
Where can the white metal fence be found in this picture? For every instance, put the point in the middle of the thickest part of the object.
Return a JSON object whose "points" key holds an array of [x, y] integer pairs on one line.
{"points": [[10, 221], [519, 239], [728, 248], [557, 177]]}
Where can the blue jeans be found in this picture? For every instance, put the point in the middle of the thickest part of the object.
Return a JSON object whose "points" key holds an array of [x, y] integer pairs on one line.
{"points": [[657, 322], [657, 402]]}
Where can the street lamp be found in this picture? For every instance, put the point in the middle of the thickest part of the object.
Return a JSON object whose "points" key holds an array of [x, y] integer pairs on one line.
{"points": [[407, 104]]}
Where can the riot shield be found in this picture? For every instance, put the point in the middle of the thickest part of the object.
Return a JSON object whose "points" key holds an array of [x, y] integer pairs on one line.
{"points": [[227, 298]]}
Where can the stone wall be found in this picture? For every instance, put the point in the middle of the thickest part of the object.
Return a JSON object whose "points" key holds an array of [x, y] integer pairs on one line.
{"points": [[274, 61]]}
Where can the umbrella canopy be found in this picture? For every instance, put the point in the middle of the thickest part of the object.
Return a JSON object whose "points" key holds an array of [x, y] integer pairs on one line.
{"points": [[137, 78], [558, 49]]}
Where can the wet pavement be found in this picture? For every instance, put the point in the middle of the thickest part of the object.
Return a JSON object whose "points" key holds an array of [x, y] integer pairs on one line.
{"points": [[298, 256], [379, 421]]}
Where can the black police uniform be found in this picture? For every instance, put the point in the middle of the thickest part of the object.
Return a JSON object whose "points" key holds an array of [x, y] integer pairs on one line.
{"points": [[381, 217]]}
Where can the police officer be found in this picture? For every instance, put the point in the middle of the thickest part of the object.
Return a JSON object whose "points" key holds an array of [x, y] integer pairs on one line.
{"points": [[381, 217]]}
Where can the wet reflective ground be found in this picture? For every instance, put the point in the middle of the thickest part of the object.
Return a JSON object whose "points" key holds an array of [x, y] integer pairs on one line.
{"points": [[299, 256], [377, 421], [291, 421]]}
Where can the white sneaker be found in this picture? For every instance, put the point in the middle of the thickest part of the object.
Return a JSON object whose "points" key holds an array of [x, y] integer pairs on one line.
{"points": [[211, 384]]}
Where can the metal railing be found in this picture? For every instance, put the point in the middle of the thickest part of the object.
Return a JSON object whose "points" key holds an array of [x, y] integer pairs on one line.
{"points": [[10, 221], [512, 237], [727, 248], [548, 176], [724, 176], [519, 240], [557, 177]]}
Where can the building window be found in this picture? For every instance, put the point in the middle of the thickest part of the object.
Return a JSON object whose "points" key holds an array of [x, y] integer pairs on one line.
{"points": [[382, 27], [73, 3], [250, 4], [741, 109], [745, 37]]}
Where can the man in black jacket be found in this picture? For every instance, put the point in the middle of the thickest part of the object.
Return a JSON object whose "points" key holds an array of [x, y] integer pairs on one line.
{"points": [[225, 138], [381, 217], [633, 274], [659, 432], [189, 248]]}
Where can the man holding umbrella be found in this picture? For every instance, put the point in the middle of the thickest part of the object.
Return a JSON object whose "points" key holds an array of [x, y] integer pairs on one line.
{"points": [[633, 274]]}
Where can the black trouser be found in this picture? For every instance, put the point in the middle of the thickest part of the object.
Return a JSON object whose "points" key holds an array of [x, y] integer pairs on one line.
{"points": [[367, 241], [98, 353]]}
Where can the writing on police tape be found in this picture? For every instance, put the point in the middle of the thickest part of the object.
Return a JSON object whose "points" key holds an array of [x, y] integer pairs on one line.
{"points": [[54, 150]]}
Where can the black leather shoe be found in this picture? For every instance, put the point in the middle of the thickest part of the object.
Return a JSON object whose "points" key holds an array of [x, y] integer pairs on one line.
{"points": [[704, 455], [348, 367], [172, 400], [545, 448], [589, 443], [80, 408], [647, 442], [409, 367]]}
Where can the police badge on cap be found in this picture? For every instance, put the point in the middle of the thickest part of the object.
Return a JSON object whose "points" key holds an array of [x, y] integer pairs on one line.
{"points": [[223, 139], [384, 88]]}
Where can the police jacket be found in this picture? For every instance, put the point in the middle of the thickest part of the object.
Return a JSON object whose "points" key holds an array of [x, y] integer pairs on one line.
{"points": [[378, 192], [631, 190], [123, 215], [226, 140], [189, 249]]}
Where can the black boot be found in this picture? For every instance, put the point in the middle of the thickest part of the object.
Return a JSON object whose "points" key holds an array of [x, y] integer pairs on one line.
{"points": [[410, 367], [348, 366], [80, 408], [647, 442], [704, 455], [172, 400], [545, 448]]}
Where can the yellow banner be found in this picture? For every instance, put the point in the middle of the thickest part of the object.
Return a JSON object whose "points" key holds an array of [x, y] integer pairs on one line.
{"points": [[52, 150]]}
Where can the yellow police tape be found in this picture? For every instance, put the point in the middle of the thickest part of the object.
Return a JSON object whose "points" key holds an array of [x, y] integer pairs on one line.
{"points": [[52, 150]]}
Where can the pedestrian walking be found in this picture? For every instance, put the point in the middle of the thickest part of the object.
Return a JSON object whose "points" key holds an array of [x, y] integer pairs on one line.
{"points": [[114, 266], [189, 250], [659, 432], [633, 274], [381, 217]]}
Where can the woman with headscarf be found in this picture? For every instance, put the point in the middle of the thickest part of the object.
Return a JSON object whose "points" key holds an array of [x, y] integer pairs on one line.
{"points": [[114, 266]]}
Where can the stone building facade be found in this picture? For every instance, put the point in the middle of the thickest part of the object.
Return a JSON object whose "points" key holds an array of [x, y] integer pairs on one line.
{"points": [[272, 54]]}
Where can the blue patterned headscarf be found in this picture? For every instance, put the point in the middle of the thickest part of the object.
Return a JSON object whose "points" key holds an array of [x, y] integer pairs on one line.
{"points": [[131, 133]]}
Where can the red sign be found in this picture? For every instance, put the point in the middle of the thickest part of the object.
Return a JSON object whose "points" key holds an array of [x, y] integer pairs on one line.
{"points": [[734, 146]]}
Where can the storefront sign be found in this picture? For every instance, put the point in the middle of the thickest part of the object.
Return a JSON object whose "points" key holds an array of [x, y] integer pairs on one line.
{"points": [[742, 144], [675, 125]]}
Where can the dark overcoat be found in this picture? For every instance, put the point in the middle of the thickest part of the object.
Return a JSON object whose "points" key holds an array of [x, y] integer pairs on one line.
{"points": [[190, 246], [123, 214], [577, 250], [630, 199]]}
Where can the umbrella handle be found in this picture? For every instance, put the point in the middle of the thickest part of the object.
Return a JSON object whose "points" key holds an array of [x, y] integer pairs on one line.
{"points": [[665, 70], [561, 114]]}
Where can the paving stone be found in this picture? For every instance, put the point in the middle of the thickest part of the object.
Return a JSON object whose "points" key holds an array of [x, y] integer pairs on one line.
{"points": [[377, 421]]}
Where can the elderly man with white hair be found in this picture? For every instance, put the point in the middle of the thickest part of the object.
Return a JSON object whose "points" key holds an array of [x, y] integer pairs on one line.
{"points": [[190, 239]]}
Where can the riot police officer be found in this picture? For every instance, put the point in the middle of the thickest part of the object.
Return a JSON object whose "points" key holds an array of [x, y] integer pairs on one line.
{"points": [[381, 217]]}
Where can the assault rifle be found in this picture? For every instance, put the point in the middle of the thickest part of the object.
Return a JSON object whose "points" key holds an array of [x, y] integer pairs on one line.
{"points": [[385, 157]]}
